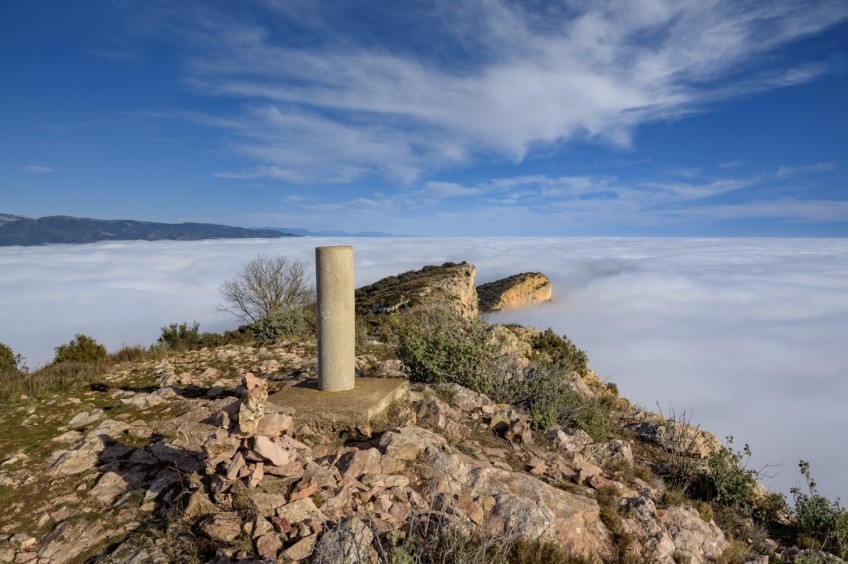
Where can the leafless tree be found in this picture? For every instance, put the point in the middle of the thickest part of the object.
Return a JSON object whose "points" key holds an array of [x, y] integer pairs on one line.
{"points": [[267, 284]]}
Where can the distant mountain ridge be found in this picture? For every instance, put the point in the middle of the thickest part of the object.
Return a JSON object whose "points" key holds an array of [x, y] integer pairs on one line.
{"points": [[26, 231], [329, 233]]}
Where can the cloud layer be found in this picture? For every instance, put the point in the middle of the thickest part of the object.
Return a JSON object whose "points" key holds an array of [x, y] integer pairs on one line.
{"points": [[331, 93], [749, 334]]}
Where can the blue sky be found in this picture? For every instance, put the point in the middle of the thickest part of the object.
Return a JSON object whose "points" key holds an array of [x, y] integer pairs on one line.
{"points": [[461, 117]]}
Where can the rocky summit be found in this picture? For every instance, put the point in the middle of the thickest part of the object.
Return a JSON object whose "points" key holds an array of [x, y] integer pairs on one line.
{"points": [[177, 444]]}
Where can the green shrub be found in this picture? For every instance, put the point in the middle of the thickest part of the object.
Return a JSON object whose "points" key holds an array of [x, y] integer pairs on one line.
{"points": [[546, 395], [81, 348], [278, 324], [560, 352], [727, 481], [180, 336], [9, 360], [441, 347], [135, 353], [821, 523]]}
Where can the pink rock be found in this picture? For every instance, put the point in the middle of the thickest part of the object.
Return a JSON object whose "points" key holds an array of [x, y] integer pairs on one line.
{"points": [[271, 451], [274, 424], [254, 387]]}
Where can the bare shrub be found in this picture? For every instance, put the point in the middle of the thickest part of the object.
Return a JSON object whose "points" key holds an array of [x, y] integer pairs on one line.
{"points": [[265, 285]]}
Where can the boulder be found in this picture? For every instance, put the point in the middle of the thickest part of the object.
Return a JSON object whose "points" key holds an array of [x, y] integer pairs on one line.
{"points": [[694, 540]]}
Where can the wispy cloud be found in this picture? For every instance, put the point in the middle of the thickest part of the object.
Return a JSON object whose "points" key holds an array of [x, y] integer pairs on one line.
{"points": [[524, 80], [786, 171], [37, 169]]}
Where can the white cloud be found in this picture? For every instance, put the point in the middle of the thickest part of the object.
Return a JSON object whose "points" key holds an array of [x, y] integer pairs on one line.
{"points": [[523, 80], [449, 190], [785, 171], [37, 169], [748, 333]]}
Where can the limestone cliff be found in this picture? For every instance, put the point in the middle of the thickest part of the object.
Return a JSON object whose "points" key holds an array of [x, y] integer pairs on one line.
{"points": [[450, 285], [516, 291]]}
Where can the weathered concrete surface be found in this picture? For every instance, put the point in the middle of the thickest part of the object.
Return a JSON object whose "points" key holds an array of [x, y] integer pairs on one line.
{"points": [[369, 399], [336, 318]]}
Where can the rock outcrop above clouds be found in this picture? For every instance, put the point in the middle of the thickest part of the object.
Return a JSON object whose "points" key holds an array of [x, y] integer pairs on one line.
{"points": [[516, 291], [450, 286]]}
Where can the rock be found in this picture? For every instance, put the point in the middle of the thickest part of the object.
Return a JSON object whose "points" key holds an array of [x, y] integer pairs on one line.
{"points": [[439, 415], [256, 475], [68, 438], [69, 540], [513, 292], [274, 424], [300, 511], [85, 457], [677, 436], [611, 452], [252, 408], [653, 543], [350, 542], [198, 504], [570, 440], [220, 447], [694, 540], [463, 398], [407, 443], [449, 286], [268, 546], [302, 549], [266, 503], [235, 466], [271, 451], [223, 527], [24, 543], [112, 484], [522, 506], [519, 431], [392, 368], [85, 418], [584, 468], [142, 401], [385, 480], [352, 465]]}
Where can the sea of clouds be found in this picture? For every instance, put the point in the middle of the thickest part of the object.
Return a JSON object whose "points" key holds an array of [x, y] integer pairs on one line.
{"points": [[750, 336]]}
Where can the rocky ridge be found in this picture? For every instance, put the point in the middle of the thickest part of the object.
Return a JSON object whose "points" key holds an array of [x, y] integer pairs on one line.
{"points": [[449, 286], [514, 292]]}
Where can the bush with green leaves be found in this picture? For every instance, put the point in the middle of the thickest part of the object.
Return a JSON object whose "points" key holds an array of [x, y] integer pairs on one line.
{"points": [[279, 324], [821, 524], [548, 397], [438, 346], [727, 481], [559, 351], [81, 348], [180, 336], [9, 360]]}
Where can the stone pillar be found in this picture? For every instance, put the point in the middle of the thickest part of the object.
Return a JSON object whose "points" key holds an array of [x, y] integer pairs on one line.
{"points": [[336, 321]]}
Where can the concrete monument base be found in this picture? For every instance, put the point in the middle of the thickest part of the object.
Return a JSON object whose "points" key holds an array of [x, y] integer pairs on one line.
{"points": [[352, 409]]}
